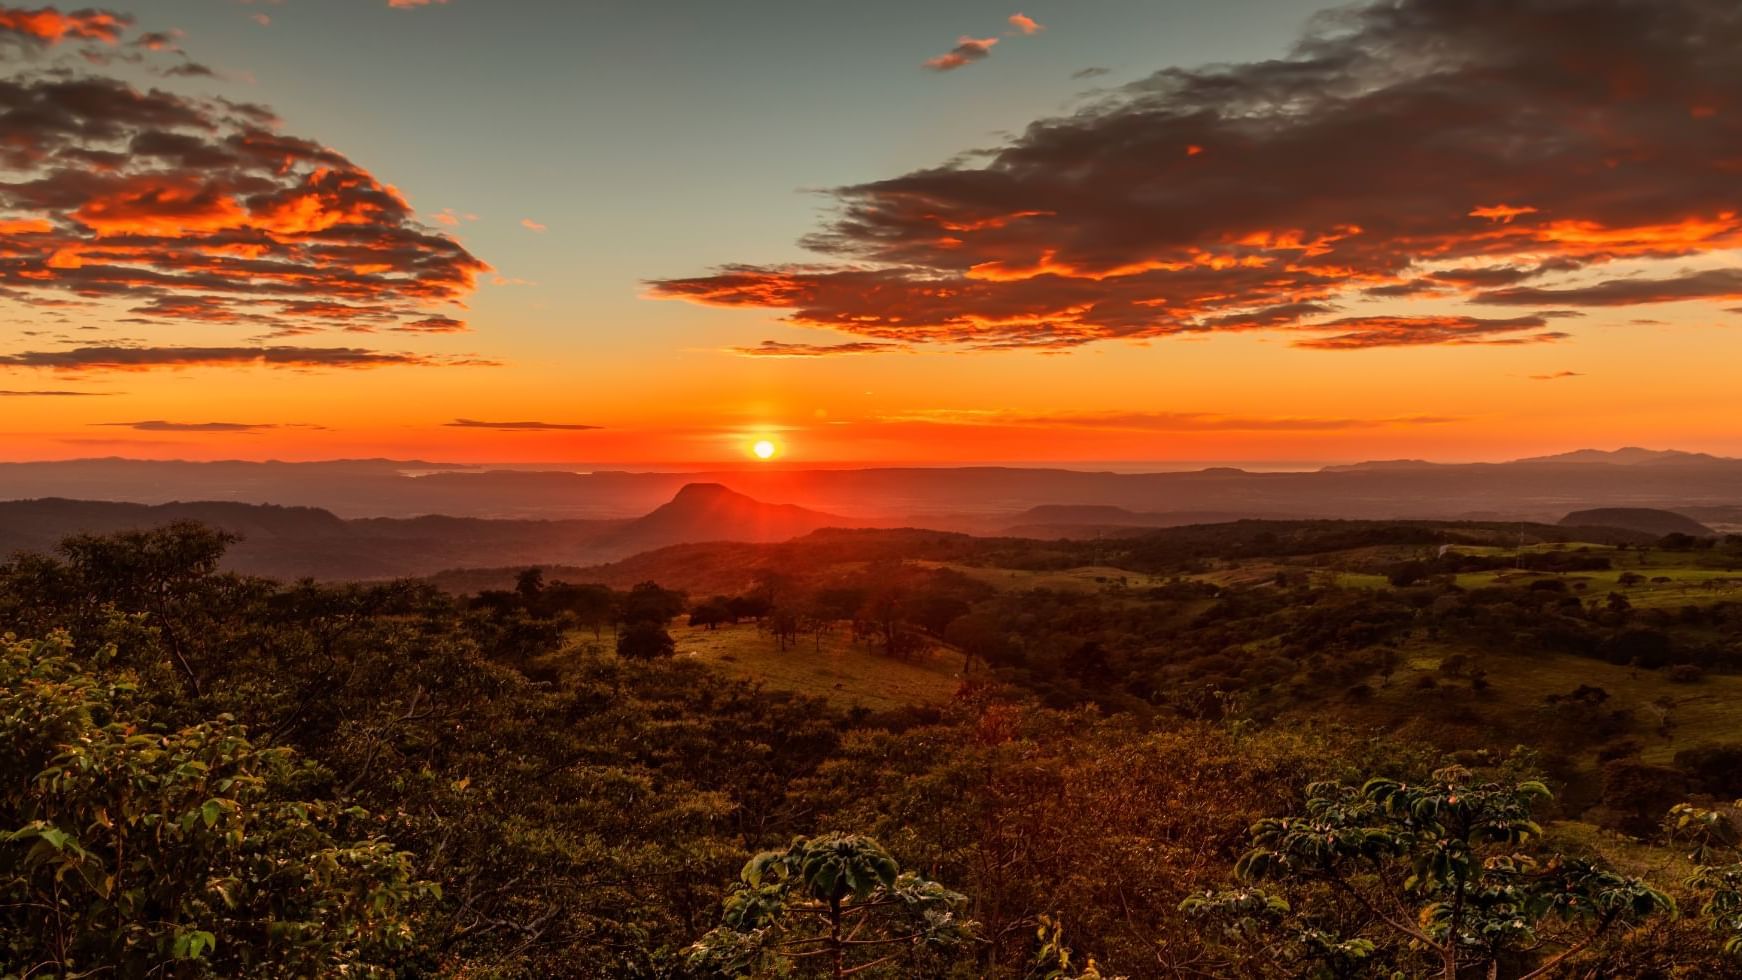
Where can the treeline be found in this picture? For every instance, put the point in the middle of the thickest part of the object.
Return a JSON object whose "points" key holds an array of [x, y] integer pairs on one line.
{"points": [[215, 775]]}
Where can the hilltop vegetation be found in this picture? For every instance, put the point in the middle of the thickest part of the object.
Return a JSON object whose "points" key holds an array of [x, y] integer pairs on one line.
{"points": [[1013, 755]]}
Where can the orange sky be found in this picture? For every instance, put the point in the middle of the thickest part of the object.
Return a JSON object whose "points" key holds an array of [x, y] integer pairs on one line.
{"points": [[1521, 239]]}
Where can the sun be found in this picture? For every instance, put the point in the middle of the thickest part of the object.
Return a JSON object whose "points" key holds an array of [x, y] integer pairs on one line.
{"points": [[763, 449]]}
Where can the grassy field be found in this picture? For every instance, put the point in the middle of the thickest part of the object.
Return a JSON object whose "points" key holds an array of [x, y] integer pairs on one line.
{"points": [[1669, 578], [1707, 711], [841, 672], [1090, 578]]}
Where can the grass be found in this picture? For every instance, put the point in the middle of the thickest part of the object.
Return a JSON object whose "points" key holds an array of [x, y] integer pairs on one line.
{"points": [[1089, 578], [1690, 578], [1707, 711], [848, 675]]}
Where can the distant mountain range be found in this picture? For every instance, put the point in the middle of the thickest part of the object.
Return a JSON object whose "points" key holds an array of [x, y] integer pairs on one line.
{"points": [[297, 542], [981, 499]]}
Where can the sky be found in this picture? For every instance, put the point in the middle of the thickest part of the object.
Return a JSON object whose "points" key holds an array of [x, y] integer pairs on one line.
{"points": [[630, 233]]}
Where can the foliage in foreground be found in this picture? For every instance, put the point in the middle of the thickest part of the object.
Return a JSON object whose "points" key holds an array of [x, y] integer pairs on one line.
{"points": [[840, 900], [133, 849], [1449, 867]]}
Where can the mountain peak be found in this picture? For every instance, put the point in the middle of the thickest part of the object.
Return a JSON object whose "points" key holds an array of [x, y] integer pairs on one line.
{"points": [[1625, 456], [706, 492]]}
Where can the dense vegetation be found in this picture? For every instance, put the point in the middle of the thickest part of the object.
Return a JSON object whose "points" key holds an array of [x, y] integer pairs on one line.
{"points": [[1220, 752]]}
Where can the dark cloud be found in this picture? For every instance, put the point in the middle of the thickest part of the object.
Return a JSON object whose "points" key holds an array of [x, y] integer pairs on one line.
{"points": [[1091, 72], [1725, 284], [119, 358], [197, 209], [54, 394], [1556, 376], [1156, 421], [1358, 333], [775, 348], [159, 425], [521, 426], [1403, 148]]}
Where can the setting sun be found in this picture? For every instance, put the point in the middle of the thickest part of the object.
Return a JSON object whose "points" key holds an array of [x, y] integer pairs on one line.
{"points": [[763, 449]]}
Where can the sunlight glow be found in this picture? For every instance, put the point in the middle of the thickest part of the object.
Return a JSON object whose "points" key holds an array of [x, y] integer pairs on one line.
{"points": [[763, 449]]}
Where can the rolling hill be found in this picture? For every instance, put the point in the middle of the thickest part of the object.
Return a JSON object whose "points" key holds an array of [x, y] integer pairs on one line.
{"points": [[299, 542], [1646, 519]]}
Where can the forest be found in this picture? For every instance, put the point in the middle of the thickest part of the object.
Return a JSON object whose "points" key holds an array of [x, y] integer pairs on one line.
{"points": [[1260, 749]]}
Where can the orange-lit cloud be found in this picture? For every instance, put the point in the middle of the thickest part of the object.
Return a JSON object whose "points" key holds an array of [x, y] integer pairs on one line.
{"points": [[1497, 151], [199, 209], [408, 4], [531, 225], [967, 51], [1026, 24], [46, 25]]}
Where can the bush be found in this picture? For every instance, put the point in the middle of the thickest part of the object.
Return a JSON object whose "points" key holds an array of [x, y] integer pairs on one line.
{"points": [[185, 852], [645, 641]]}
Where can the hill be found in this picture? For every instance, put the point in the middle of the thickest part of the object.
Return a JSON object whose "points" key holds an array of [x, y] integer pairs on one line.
{"points": [[1627, 456], [982, 499], [1646, 519], [714, 512], [307, 542]]}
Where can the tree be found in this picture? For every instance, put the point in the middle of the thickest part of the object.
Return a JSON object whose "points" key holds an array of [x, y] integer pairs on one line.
{"points": [[645, 641], [649, 603], [835, 906], [1443, 867], [130, 847], [530, 585], [784, 623], [710, 614]]}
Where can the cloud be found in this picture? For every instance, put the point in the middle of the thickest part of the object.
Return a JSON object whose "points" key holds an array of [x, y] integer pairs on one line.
{"points": [[531, 225], [1358, 333], [48, 26], [774, 348], [1556, 376], [1025, 24], [1403, 148], [1153, 421], [408, 4], [1723, 284], [120, 358], [967, 51], [195, 208], [1092, 72], [159, 425], [520, 426], [54, 394], [433, 324]]}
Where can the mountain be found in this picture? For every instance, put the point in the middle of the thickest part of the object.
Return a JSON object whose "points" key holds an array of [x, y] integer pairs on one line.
{"points": [[1059, 521], [977, 499], [713, 512], [299, 542], [1649, 520], [1628, 456]]}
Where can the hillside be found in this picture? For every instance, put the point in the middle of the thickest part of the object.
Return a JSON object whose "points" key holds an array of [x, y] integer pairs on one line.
{"points": [[975, 498], [306, 542], [1648, 520]]}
